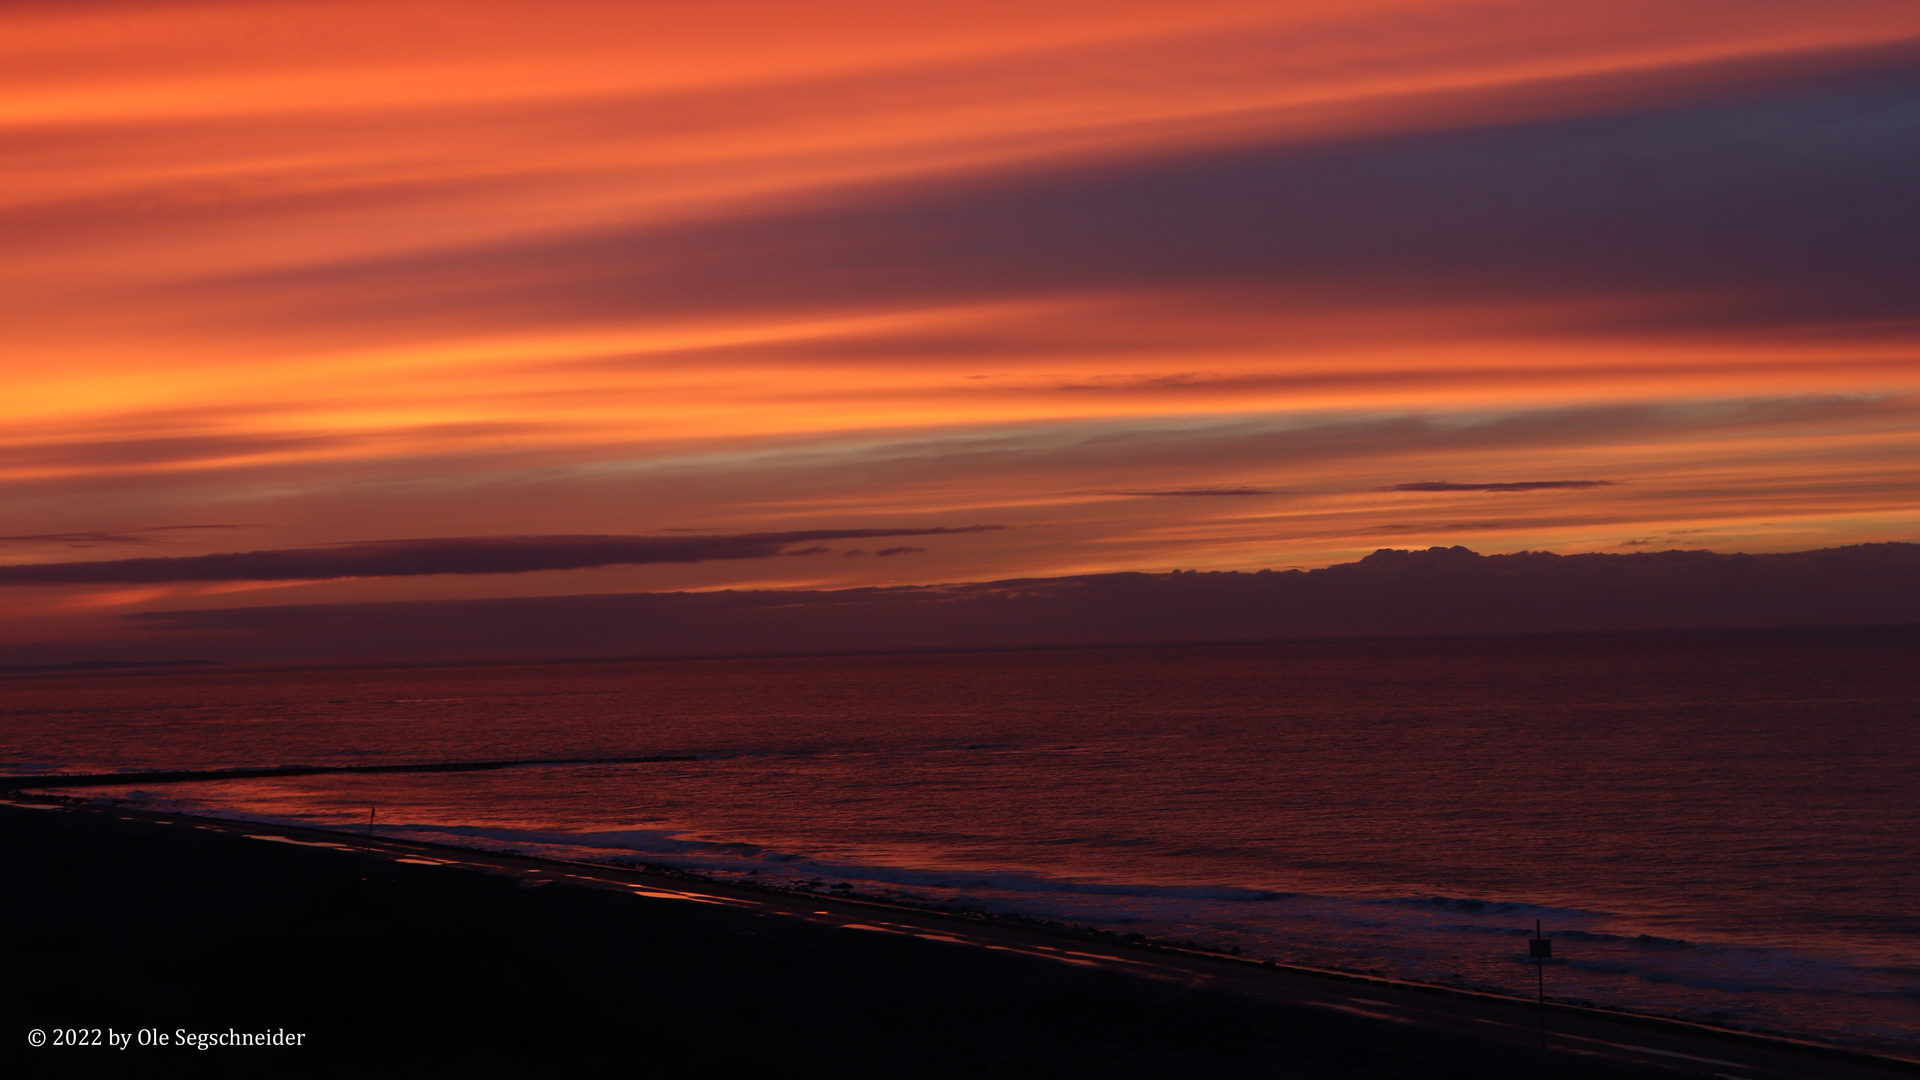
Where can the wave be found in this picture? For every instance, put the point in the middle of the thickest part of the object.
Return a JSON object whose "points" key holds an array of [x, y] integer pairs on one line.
{"points": [[1467, 906], [667, 846], [1643, 957]]}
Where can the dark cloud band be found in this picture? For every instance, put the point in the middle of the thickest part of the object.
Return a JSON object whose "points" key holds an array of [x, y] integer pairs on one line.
{"points": [[1773, 203], [91, 539], [456, 555], [1521, 485], [1182, 493]]}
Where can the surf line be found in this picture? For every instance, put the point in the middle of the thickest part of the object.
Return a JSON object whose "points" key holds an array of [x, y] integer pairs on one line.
{"points": [[188, 776]]}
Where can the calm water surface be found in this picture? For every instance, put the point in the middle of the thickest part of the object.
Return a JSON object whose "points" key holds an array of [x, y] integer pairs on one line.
{"points": [[1724, 827]]}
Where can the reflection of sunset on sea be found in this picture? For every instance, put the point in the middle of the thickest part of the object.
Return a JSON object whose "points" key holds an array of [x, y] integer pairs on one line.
{"points": [[1152, 286]]}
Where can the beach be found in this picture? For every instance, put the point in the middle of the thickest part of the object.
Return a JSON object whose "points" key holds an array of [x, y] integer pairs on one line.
{"points": [[390, 958]]}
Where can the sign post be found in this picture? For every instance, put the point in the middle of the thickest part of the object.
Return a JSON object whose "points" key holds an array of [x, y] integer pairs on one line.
{"points": [[1540, 948]]}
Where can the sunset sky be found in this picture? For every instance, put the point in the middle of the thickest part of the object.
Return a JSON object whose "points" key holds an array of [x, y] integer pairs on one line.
{"points": [[1142, 285]]}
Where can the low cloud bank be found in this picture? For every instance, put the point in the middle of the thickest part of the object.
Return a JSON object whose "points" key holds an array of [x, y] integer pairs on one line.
{"points": [[1436, 591]]}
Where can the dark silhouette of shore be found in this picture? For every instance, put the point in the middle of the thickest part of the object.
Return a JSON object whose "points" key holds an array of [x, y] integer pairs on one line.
{"points": [[393, 968], [1438, 591], [189, 776]]}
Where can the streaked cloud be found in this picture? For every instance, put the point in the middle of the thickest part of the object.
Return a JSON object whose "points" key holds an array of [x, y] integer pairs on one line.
{"points": [[1188, 493], [157, 534], [453, 555], [1155, 285], [1515, 485]]}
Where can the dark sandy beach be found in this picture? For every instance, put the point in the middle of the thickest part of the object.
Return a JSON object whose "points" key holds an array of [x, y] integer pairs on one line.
{"points": [[125, 922]]}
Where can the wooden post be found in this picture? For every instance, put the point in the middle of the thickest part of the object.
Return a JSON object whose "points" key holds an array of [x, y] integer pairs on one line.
{"points": [[1540, 948]]}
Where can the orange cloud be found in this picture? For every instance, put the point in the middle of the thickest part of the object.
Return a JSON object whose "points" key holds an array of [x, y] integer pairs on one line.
{"points": [[358, 271]]}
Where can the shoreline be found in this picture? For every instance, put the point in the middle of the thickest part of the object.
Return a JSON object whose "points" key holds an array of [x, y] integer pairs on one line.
{"points": [[1496, 1024], [1779, 1041]]}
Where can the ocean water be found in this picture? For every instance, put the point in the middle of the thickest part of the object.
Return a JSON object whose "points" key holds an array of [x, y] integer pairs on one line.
{"points": [[1723, 827]]}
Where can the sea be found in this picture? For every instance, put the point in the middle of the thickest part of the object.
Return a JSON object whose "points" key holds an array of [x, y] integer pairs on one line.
{"points": [[1722, 827]]}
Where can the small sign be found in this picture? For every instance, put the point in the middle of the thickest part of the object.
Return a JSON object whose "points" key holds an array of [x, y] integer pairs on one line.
{"points": [[1540, 948]]}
